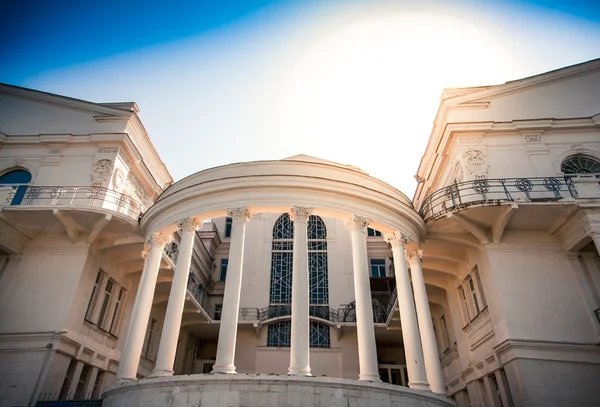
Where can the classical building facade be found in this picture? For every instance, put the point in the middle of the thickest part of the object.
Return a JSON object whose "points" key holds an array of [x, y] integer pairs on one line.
{"points": [[302, 281]]}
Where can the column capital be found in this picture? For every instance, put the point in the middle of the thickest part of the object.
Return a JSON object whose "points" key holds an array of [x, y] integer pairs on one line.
{"points": [[158, 239], [189, 224], [396, 239], [300, 214], [414, 255], [239, 215], [358, 223]]}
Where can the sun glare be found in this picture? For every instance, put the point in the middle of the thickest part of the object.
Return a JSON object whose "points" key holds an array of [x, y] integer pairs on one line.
{"points": [[382, 78]]}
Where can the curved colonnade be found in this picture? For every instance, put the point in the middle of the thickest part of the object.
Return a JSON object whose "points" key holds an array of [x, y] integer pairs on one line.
{"points": [[300, 188]]}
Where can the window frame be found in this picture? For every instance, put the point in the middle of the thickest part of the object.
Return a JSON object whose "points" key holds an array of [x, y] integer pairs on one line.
{"points": [[149, 339], [228, 226], [223, 269], [380, 265]]}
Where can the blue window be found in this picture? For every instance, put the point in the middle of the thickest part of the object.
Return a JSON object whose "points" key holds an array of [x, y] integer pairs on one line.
{"points": [[228, 224], [377, 267], [17, 177], [317, 261], [223, 274], [373, 232], [279, 335]]}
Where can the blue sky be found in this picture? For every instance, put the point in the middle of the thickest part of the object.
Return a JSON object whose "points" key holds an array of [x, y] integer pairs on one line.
{"points": [[356, 82]]}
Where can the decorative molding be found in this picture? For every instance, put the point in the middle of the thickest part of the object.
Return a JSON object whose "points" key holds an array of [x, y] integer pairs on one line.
{"points": [[134, 185], [414, 255], [532, 138], [101, 170], [189, 225], [458, 172], [300, 214], [118, 178], [239, 215], [55, 150], [158, 239], [108, 149], [396, 239], [358, 223], [476, 164]]}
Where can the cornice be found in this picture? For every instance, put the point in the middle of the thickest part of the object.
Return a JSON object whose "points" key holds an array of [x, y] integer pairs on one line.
{"points": [[63, 101]]}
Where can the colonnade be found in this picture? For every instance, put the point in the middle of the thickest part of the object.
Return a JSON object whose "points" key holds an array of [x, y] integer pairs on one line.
{"points": [[420, 346]]}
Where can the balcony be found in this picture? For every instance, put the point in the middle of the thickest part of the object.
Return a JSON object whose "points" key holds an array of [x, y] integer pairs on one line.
{"points": [[493, 192], [69, 197]]}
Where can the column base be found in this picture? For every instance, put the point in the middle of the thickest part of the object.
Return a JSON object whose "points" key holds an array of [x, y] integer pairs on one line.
{"points": [[419, 386], [299, 371], [126, 379], [223, 370], [161, 373], [369, 377]]}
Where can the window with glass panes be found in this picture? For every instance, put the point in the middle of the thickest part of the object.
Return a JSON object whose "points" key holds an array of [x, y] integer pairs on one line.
{"points": [[89, 314], [228, 226], [377, 267], [223, 271], [279, 334], [108, 288], [149, 340], [280, 295]]}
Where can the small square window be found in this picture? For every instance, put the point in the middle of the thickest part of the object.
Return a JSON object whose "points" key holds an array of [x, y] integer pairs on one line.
{"points": [[373, 232], [218, 311]]}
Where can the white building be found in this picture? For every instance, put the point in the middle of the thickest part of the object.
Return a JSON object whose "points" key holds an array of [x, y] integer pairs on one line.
{"points": [[502, 310]]}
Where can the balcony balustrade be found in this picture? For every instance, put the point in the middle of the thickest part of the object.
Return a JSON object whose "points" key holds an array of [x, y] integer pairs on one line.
{"points": [[60, 197], [482, 192]]}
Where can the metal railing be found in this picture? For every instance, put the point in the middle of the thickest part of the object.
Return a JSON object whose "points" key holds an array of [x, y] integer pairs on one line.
{"points": [[71, 196], [200, 296], [71, 403], [285, 310], [495, 191]]}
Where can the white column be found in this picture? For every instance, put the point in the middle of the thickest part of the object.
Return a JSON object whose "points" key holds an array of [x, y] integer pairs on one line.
{"points": [[365, 329], [172, 325], [300, 340], [433, 366], [130, 358], [224, 362], [417, 378]]}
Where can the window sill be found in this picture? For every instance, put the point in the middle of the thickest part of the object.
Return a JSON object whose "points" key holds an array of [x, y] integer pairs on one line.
{"points": [[95, 327], [483, 315]]}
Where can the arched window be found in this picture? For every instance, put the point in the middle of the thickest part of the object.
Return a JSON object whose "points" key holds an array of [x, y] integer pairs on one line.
{"points": [[280, 296], [19, 179], [580, 164]]}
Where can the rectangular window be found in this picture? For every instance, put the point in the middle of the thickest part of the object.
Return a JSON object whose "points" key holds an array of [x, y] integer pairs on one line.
{"points": [[89, 314], [465, 304], [496, 390], [115, 316], [228, 225], [218, 310], [377, 267], [446, 332], [474, 296], [82, 383], [146, 349], [105, 303], [223, 274], [479, 287], [64, 390], [373, 232], [98, 385]]}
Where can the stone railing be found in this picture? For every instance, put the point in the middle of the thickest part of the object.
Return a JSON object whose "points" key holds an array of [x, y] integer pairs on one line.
{"points": [[461, 195], [70, 197]]}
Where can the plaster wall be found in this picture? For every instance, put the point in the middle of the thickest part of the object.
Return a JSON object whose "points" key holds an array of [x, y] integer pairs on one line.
{"points": [[564, 98], [44, 285], [537, 278], [20, 116]]}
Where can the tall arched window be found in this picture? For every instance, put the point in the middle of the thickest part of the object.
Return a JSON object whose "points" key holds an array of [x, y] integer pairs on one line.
{"points": [[279, 333], [580, 164], [15, 178]]}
